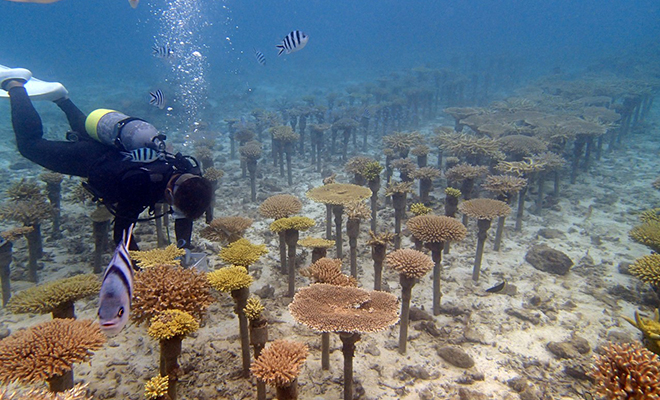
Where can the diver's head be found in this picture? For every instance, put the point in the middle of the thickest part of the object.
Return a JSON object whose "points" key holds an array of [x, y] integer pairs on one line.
{"points": [[189, 194], [128, 133]]}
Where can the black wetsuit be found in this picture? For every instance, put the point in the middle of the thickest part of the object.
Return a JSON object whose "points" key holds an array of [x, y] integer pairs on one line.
{"points": [[126, 186]]}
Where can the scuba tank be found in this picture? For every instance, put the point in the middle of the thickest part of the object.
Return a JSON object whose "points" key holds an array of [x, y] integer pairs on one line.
{"points": [[126, 133]]}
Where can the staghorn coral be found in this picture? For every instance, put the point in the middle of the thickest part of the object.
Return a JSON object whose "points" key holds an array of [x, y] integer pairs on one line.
{"points": [[170, 323], [426, 173], [251, 150], [411, 263], [462, 172], [357, 210], [382, 239], [434, 228], [358, 164], [647, 234], [420, 150], [420, 209], [650, 215], [338, 193], [165, 287], [156, 387], [650, 328], [242, 252], [398, 187], [504, 185], [470, 147], [228, 279], [521, 145], [213, 174], [372, 170], [25, 190], [520, 168], [549, 160], [279, 364], [656, 183], [484, 208], [151, 258], [626, 372], [55, 296], [401, 142], [647, 269], [330, 308], [48, 350], [226, 229], [28, 212], [253, 309], [298, 223], [316, 242], [405, 167], [16, 233], [280, 206], [328, 270], [78, 392], [284, 133], [453, 192]]}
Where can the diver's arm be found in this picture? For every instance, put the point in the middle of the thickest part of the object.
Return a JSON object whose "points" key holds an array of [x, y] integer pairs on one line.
{"points": [[124, 218], [183, 230], [75, 117]]}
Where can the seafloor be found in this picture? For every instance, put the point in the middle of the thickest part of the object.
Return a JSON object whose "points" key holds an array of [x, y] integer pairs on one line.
{"points": [[505, 334]]}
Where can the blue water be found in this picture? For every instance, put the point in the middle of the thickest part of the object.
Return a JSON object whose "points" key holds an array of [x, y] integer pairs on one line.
{"points": [[97, 48]]}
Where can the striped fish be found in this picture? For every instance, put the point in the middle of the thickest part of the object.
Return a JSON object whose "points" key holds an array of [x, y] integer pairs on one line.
{"points": [[143, 155], [260, 57], [292, 42], [117, 289], [164, 51], [157, 99]]}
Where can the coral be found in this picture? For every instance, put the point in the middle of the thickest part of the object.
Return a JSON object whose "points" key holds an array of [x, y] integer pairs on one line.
{"points": [[284, 133], [656, 183], [420, 209], [166, 287], [251, 149], [626, 371], [78, 392], [242, 252], [420, 150], [373, 169], [296, 223], [401, 142], [330, 308], [650, 215], [280, 206], [357, 210], [484, 208], [213, 174], [25, 190], [521, 145], [357, 165], [504, 185], [650, 328], [549, 160], [468, 146], [228, 279], [338, 193], [156, 387], [279, 364], [328, 270], [520, 168], [453, 192], [409, 262], [170, 323], [345, 124], [435, 229], [28, 212], [462, 172], [398, 187], [647, 269], [16, 233], [253, 309], [647, 234], [41, 352], [51, 177], [316, 242], [226, 229], [45, 298], [151, 258], [405, 166], [380, 240], [426, 173]]}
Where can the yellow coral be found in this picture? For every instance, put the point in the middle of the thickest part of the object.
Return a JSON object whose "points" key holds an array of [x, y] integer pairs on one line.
{"points": [[253, 308], [229, 278], [453, 192], [298, 223], [650, 215], [156, 387], [647, 269], [49, 296], [420, 209], [170, 323], [650, 329], [316, 243], [242, 252], [647, 234], [150, 258]]}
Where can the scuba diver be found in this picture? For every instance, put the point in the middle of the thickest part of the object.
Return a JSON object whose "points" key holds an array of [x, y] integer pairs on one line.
{"points": [[122, 157]]}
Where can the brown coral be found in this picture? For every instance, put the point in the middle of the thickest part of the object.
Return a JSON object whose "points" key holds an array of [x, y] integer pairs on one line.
{"points": [[251, 150], [280, 206], [647, 234], [627, 371], [338, 193], [647, 269], [279, 364], [435, 228], [426, 173], [328, 270], [504, 185], [462, 172], [227, 229], [330, 308], [484, 208], [49, 349], [409, 262], [521, 145], [167, 287]]}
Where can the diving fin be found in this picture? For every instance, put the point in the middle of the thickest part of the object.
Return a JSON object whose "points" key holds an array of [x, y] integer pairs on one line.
{"points": [[38, 89]]}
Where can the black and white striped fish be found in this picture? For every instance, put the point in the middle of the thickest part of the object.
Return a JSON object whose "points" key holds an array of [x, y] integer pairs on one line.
{"points": [[117, 289], [292, 42], [260, 57], [157, 99], [143, 155], [163, 51]]}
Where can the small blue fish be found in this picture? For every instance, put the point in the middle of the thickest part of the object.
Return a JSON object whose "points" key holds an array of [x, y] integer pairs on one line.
{"points": [[157, 99], [117, 289], [164, 51], [143, 155], [292, 42], [261, 59]]}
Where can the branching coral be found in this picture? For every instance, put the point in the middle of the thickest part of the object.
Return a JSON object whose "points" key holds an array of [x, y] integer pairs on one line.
{"points": [[627, 371], [251, 150], [484, 208], [434, 228], [16, 392], [328, 270], [25, 190], [453, 192], [242, 252], [357, 165], [16, 233], [253, 309], [650, 215], [298, 223], [228, 279], [650, 328], [412, 263], [521, 145], [462, 172], [151, 258], [656, 184], [504, 185], [398, 187], [357, 210], [279, 364], [170, 323], [647, 234], [647, 269], [401, 142], [213, 174], [280, 206], [166, 287], [226, 229], [420, 209], [338, 193], [520, 168], [156, 387]]}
